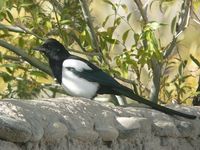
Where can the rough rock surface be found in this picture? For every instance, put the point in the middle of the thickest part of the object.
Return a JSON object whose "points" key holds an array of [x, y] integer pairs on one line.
{"points": [[79, 124]]}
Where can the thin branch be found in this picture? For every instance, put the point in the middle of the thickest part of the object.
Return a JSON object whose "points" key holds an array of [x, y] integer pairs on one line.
{"points": [[19, 29], [58, 22], [57, 5], [29, 32], [91, 30], [130, 26], [84, 53], [125, 80], [88, 20], [169, 48], [184, 17], [142, 11], [197, 20], [11, 28], [31, 60], [77, 41], [13, 58], [55, 31], [55, 88]]}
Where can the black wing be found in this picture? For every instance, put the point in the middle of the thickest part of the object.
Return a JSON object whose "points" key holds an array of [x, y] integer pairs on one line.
{"points": [[106, 82]]}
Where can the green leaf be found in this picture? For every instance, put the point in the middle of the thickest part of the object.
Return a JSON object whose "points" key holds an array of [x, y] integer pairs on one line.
{"points": [[173, 25], [181, 67], [124, 7], [136, 37], [1, 57], [110, 3], [10, 16], [62, 22], [10, 65], [106, 20], [26, 4], [6, 77], [2, 15], [195, 60], [21, 42], [38, 74], [129, 16], [117, 21], [9, 70], [111, 30], [111, 40], [154, 25], [125, 35]]}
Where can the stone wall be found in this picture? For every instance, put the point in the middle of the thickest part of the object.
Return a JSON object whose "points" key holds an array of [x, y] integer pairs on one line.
{"points": [[79, 124]]}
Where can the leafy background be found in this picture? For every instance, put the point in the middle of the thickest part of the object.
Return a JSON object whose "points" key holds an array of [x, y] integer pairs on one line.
{"points": [[150, 46]]}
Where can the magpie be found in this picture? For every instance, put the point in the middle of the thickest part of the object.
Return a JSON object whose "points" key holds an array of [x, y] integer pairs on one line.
{"points": [[81, 78]]}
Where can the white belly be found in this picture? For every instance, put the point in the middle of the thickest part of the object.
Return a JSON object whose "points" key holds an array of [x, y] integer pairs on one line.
{"points": [[76, 86]]}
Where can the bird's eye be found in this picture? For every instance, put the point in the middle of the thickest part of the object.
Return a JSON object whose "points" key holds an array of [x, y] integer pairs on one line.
{"points": [[70, 68]]}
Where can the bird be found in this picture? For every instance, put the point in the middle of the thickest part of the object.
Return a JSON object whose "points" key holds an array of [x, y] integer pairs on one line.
{"points": [[81, 78]]}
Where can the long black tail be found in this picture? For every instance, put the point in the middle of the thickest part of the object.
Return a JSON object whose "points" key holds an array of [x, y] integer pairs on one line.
{"points": [[129, 93]]}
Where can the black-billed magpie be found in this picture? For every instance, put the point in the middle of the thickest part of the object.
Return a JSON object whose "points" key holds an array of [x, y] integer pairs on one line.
{"points": [[81, 78]]}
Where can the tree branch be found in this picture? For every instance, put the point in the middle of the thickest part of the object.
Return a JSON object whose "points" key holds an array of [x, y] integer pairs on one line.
{"points": [[197, 20], [19, 29], [31, 60], [156, 68], [142, 11], [11, 28], [12, 58], [184, 17], [88, 20], [27, 31]]}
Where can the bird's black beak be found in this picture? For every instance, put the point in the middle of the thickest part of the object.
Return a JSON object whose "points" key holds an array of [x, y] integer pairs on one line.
{"points": [[40, 48]]}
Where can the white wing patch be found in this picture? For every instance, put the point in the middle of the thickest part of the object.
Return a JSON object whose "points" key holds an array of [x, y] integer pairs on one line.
{"points": [[75, 85], [76, 64]]}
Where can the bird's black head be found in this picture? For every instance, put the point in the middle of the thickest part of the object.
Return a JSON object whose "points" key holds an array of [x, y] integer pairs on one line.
{"points": [[52, 48]]}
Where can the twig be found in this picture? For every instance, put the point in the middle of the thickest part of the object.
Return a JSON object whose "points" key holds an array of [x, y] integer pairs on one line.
{"points": [[11, 28], [13, 58], [169, 48], [142, 11], [197, 20], [184, 17], [84, 53], [29, 32], [130, 26], [55, 88], [20, 29], [77, 41], [58, 23], [57, 5], [88, 21], [93, 36], [125, 80]]}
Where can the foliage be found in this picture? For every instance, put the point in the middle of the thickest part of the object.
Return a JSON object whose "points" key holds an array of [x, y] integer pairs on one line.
{"points": [[26, 23]]}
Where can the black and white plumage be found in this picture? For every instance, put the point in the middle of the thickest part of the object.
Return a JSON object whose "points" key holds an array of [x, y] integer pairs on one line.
{"points": [[81, 78]]}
